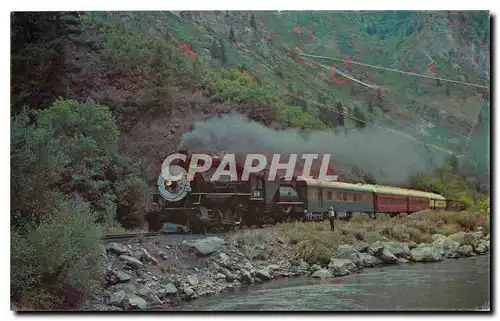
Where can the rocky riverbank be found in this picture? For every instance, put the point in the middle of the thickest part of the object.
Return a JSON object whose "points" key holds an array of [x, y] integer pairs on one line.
{"points": [[162, 273]]}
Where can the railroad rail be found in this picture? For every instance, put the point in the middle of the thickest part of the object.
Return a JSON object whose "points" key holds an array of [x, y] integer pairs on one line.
{"points": [[130, 236]]}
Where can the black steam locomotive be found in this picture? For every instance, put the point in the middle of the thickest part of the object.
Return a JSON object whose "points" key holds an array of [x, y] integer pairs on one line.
{"points": [[209, 205]]}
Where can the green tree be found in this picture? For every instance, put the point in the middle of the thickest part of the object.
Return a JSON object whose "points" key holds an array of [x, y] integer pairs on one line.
{"points": [[253, 24], [232, 37], [71, 149], [38, 66], [340, 112], [360, 118]]}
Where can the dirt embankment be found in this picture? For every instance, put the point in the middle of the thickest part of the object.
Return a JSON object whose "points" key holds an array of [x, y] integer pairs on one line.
{"points": [[157, 274]]}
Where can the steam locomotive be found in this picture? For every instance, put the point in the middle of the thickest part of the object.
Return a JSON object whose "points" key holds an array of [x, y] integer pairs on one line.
{"points": [[203, 204]]}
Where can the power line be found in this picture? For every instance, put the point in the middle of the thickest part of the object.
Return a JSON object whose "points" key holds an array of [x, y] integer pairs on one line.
{"points": [[395, 70], [408, 136], [343, 74], [405, 135], [367, 85]]}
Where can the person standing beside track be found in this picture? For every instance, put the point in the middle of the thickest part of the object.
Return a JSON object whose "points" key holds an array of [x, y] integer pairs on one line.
{"points": [[331, 217]]}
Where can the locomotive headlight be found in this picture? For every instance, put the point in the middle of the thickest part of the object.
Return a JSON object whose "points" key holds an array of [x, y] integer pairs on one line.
{"points": [[305, 211], [168, 182]]}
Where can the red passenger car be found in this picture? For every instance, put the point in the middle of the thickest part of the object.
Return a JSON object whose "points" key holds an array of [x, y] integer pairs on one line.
{"points": [[417, 201], [391, 200]]}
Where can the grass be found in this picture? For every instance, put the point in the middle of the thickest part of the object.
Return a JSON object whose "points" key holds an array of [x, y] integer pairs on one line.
{"points": [[249, 240], [315, 243]]}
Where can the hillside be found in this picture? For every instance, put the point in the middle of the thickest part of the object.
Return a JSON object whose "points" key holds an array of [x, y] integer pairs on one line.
{"points": [[160, 72], [267, 46]]}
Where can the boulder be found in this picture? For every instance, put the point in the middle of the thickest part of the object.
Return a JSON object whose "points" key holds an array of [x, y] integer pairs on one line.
{"points": [[117, 298], [137, 302], [473, 239], [436, 237], [125, 300], [230, 277], [457, 237], [147, 294], [480, 248], [225, 261], [315, 267], [322, 274], [260, 255], [465, 251], [387, 257], [114, 276], [273, 267], [446, 246], [188, 291], [116, 248], [148, 257], [369, 260], [340, 267], [246, 277], [350, 253], [122, 277], [263, 274], [398, 249], [375, 248], [205, 246], [412, 245], [131, 261], [427, 253], [192, 280], [361, 246], [170, 289]]}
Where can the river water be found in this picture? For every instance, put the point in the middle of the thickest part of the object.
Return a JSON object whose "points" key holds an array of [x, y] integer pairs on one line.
{"points": [[461, 284]]}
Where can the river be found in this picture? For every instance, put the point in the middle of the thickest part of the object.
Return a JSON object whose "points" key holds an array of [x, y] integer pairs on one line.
{"points": [[462, 284]]}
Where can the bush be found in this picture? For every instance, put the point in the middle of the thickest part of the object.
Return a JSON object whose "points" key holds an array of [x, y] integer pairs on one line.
{"points": [[291, 116], [314, 242], [56, 264], [71, 148]]}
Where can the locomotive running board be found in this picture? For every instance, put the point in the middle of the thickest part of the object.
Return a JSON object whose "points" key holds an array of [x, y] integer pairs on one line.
{"points": [[289, 203], [223, 194]]}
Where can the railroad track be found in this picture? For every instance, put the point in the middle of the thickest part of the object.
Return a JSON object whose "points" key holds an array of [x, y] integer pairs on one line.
{"points": [[130, 236]]}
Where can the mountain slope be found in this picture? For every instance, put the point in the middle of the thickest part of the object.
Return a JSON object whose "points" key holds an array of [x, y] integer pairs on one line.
{"points": [[267, 45]]}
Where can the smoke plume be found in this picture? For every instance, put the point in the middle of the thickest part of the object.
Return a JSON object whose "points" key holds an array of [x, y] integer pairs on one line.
{"points": [[372, 149]]}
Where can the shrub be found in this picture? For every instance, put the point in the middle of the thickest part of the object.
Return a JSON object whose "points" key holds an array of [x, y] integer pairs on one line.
{"points": [[291, 116], [71, 148], [314, 242], [57, 263]]}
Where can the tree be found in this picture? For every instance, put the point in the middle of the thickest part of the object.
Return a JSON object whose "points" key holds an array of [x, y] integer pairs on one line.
{"points": [[71, 149], [454, 163], [360, 118], [340, 111], [253, 23], [232, 37], [371, 110], [39, 69]]}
